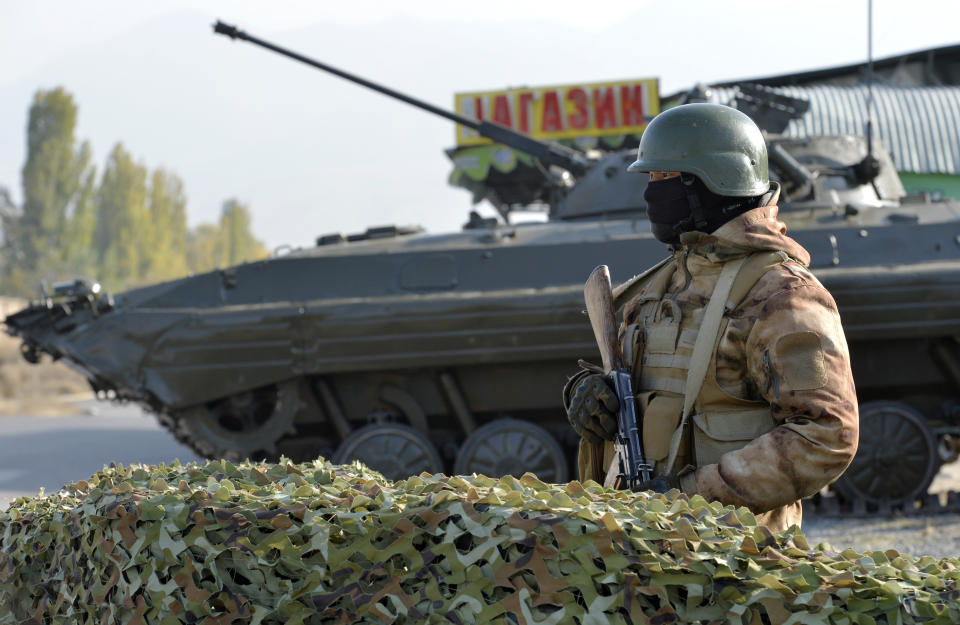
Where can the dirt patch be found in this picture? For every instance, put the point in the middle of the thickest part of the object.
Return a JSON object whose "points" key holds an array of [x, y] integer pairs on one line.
{"points": [[63, 406]]}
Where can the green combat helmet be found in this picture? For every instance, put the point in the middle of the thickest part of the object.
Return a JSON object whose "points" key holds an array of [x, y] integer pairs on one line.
{"points": [[718, 144]]}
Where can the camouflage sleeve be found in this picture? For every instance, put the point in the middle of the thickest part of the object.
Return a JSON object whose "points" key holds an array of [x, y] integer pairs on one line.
{"points": [[797, 357]]}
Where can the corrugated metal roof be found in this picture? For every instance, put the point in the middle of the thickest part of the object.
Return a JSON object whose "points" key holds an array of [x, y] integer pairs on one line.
{"points": [[920, 125]]}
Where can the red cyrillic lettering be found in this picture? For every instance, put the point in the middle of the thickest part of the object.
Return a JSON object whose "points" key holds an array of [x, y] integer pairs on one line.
{"points": [[552, 118], [580, 119], [604, 109], [631, 105], [501, 111], [525, 100]]}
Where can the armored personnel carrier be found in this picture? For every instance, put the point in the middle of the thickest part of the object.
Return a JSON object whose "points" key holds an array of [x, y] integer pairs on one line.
{"points": [[418, 352]]}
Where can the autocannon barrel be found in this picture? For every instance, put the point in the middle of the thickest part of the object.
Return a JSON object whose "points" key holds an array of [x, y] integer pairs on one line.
{"points": [[549, 153], [793, 168]]}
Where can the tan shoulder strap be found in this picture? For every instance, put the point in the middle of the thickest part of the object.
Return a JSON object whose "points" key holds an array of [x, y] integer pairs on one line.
{"points": [[703, 349], [629, 289], [751, 272]]}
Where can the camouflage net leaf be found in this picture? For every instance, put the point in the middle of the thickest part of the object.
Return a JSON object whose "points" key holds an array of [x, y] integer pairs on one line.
{"points": [[313, 543]]}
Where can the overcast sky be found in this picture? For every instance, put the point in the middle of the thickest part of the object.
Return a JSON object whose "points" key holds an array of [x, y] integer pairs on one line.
{"points": [[312, 154]]}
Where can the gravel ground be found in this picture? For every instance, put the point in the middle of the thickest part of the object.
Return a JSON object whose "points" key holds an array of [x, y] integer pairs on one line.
{"points": [[935, 535]]}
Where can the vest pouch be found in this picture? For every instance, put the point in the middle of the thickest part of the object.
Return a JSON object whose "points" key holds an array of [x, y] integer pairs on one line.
{"points": [[718, 432], [632, 345], [660, 419], [661, 336]]}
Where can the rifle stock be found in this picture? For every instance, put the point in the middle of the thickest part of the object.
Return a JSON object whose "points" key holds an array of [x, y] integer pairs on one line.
{"points": [[598, 296]]}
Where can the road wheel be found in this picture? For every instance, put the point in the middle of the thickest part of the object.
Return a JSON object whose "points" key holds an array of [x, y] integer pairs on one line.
{"points": [[512, 447], [897, 457], [394, 449], [244, 425]]}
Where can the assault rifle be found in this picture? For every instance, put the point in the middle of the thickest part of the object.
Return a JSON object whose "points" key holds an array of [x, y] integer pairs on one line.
{"points": [[634, 469]]}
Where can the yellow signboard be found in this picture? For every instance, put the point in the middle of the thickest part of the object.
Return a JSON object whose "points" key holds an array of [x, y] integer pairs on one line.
{"points": [[565, 111]]}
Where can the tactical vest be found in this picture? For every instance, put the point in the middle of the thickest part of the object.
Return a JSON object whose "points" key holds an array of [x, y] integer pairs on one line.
{"points": [[658, 346]]}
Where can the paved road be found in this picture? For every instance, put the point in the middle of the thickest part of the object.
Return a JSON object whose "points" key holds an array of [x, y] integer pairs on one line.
{"points": [[47, 452]]}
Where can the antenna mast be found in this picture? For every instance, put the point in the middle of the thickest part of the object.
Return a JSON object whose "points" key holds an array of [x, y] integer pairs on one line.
{"points": [[867, 170], [870, 77]]}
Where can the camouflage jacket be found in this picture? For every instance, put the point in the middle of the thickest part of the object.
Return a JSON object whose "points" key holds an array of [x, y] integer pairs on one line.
{"points": [[782, 348]]}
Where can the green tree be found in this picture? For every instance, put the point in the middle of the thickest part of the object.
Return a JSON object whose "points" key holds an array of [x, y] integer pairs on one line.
{"points": [[237, 243], [78, 253], [203, 248], [166, 253], [123, 232], [15, 280], [54, 177], [122, 229], [227, 243]]}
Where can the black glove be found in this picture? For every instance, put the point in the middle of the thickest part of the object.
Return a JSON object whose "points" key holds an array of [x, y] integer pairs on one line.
{"points": [[661, 484], [592, 406]]}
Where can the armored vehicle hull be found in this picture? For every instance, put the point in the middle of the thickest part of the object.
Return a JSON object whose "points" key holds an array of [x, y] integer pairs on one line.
{"points": [[446, 341]]}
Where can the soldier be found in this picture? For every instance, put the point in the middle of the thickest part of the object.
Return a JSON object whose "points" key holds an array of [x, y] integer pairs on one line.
{"points": [[771, 415]]}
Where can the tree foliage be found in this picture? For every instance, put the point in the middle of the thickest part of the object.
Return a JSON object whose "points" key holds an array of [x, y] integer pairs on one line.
{"points": [[229, 242], [56, 184], [167, 218], [126, 229], [203, 248], [122, 224], [237, 242]]}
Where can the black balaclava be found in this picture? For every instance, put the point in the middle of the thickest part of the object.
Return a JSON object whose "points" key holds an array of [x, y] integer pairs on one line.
{"points": [[677, 204]]}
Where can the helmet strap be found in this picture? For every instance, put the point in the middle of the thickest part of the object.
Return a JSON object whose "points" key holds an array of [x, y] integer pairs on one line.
{"points": [[693, 200]]}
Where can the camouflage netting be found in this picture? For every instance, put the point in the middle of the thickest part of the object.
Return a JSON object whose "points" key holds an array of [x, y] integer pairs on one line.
{"points": [[317, 543], [509, 177]]}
